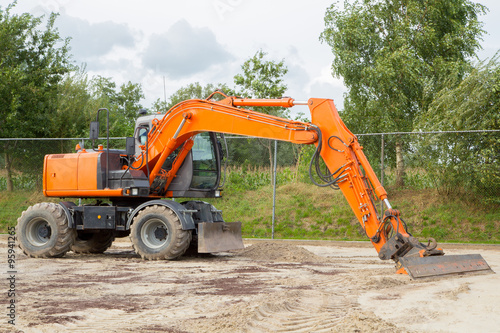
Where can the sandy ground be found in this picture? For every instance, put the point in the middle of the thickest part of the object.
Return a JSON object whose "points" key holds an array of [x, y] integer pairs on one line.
{"points": [[280, 286]]}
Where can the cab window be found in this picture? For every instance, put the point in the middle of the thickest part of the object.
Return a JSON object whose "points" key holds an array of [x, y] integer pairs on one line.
{"points": [[143, 134], [205, 171]]}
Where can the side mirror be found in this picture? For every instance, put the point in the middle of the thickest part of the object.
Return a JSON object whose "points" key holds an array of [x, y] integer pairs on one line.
{"points": [[94, 130], [130, 146]]}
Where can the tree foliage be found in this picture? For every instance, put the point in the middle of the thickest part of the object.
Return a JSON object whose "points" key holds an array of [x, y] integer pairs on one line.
{"points": [[395, 55], [123, 104], [471, 104], [75, 106], [43, 95], [191, 91], [466, 161], [33, 62], [261, 78], [80, 97]]}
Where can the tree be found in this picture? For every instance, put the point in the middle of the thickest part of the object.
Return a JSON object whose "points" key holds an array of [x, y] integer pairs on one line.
{"points": [[33, 62], [260, 79], [123, 104], [191, 91], [466, 160], [79, 97], [263, 79], [75, 106], [128, 100], [395, 55]]}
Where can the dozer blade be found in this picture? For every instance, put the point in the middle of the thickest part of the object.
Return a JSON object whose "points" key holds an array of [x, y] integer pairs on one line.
{"points": [[421, 267], [219, 236]]}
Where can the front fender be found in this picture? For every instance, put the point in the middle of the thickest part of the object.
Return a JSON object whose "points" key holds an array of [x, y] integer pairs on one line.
{"points": [[182, 213], [66, 206]]}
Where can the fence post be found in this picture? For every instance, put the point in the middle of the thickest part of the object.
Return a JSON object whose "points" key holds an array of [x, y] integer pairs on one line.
{"points": [[382, 170], [274, 186]]}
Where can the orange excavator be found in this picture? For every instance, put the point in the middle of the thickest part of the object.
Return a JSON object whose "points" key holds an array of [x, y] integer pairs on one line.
{"points": [[178, 155]]}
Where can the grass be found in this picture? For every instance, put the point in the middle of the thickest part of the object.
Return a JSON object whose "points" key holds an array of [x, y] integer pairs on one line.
{"points": [[304, 211], [452, 219], [12, 204]]}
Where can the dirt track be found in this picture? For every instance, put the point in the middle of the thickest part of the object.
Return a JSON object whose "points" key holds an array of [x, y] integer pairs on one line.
{"points": [[268, 287]]}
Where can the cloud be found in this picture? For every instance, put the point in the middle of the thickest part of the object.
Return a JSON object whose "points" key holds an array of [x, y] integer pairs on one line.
{"points": [[327, 86], [297, 79], [184, 50], [91, 41]]}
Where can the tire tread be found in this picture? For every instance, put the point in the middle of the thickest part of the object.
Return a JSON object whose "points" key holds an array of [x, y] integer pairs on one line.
{"points": [[181, 241]]}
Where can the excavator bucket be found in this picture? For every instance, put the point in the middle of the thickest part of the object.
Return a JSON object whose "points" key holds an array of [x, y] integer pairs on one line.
{"points": [[420, 261], [219, 237], [422, 267]]}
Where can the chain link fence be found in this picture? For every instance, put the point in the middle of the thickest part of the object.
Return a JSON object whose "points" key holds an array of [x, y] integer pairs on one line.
{"points": [[464, 163], [461, 164], [453, 161]]}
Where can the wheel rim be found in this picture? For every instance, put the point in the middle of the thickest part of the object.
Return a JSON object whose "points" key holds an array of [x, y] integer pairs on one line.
{"points": [[154, 233], [38, 232]]}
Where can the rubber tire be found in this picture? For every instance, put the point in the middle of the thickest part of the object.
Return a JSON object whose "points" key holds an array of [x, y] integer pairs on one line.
{"points": [[149, 247], [93, 242], [39, 216], [192, 249]]}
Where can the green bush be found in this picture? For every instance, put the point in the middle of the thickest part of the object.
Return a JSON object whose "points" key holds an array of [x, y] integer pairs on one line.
{"points": [[248, 179], [22, 182]]}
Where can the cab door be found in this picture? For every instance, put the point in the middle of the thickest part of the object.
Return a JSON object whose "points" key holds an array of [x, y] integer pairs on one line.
{"points": [[206, 162], [199, 174]]}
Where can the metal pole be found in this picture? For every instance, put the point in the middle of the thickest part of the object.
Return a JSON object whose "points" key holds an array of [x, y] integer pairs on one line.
{"points": [[382, 162], [107, 148], [274, 186], [382, 170]]}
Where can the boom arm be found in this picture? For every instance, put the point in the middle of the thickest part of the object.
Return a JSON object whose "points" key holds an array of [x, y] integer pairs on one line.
{"points": [[339, 148], [348, 167], [191, 117]]}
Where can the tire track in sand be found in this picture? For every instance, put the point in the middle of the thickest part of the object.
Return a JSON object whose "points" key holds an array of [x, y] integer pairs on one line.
{"points": [[319, 309]]}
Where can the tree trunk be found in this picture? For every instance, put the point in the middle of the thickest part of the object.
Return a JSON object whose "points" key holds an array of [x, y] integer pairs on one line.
{"points": [[267, 144], [270, 149], [400, 166], [8, 163]]}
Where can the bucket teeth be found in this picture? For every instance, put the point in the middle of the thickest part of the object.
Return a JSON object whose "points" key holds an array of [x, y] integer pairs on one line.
{"points": [[421, 267]]}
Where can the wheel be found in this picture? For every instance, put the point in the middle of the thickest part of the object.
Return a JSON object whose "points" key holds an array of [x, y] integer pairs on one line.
{"points": [[97, 242], [192, 249], [156, 233], [43, 231]]}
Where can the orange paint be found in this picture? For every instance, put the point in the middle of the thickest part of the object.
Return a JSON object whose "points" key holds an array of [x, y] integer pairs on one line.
{"points": [[74, 175]]}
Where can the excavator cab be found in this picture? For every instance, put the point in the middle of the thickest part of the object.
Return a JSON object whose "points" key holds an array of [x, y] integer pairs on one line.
{"points": [[199, 173], [197, 176]]}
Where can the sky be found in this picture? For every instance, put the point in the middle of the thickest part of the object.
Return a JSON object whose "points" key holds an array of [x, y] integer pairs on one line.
{"points": [[165, 45]]}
